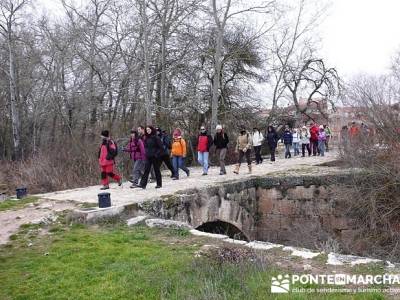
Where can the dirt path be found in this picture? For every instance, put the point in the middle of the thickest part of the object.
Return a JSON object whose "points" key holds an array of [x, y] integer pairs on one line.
{"points": [[11, 220]]}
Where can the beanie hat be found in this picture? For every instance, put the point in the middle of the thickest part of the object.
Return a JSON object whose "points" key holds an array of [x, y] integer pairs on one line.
{"points": [[105, 133], [219, 127]]}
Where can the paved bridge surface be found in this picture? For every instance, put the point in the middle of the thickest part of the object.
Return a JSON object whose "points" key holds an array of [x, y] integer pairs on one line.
{"points": [[125, 195]]}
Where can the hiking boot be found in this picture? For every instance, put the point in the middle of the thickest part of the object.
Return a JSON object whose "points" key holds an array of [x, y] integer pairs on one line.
{"points": [[158, 186], [175, 178], [188, 173], [204, 174], [105, 187], [250, 168], [120, 182], [134, 186]]}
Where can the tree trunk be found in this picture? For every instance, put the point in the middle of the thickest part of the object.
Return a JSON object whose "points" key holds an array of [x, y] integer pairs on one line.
{"points": [[15, 120]]}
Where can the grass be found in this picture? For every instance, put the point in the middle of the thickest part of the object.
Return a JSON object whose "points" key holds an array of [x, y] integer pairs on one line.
{"points": [[16, 204], [117, 262]]}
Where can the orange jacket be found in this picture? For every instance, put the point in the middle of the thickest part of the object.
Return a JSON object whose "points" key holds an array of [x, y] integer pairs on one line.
{"points": [[178, 147]]}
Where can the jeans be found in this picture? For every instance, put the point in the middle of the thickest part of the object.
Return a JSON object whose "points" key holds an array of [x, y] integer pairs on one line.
{"points": [[137, 170], [221, 154], [155, 163], [257, 152], [296, 149], [287, 151], [202, 157], [321, 147], [179, 163]]}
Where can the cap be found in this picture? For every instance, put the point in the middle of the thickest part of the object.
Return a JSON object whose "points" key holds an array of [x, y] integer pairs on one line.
{"points": [[219, 127]]}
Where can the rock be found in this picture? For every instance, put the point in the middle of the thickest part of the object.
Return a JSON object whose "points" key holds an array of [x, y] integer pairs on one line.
{"points": [[46, 220], [161, 223], [339, 259], [30, 245], [301, 252], [307, 267], [207, 234], [136, 220], [262, 245]]}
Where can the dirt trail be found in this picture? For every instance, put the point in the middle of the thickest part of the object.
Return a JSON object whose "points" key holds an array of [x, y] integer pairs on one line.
{"points": [[11, 220]]}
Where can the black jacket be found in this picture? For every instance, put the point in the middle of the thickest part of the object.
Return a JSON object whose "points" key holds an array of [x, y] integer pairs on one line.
{"points": [[221, 140], [154, 147], [272, 139]]}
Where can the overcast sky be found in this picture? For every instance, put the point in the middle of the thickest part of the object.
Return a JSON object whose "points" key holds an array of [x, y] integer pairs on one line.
{"points": [[359, 36]]}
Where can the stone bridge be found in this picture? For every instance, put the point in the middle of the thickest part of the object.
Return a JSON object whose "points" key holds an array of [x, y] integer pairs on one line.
{"points": [[285, 201]]}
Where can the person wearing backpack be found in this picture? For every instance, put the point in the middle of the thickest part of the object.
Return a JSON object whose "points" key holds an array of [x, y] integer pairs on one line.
{"points": [[221, 141], [305, 141], [243, 148], [258, 139], [178, 153], [296, 142], [204, 143], [321, 140], [166, 154], [154, 152], [136, 150], [107, 153], [272, 140], [287, 139]]}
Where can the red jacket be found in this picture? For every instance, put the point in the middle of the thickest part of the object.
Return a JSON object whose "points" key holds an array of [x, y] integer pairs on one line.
{"points": [[314, 132], [204, 143], [104, 153]]}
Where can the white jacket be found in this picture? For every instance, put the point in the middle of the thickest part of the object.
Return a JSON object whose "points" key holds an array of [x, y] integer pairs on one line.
{"points": [[258, 138], [296, 137]]}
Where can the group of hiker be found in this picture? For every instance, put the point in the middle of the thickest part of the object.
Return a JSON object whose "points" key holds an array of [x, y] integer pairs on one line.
{"points": [[150, 147]]}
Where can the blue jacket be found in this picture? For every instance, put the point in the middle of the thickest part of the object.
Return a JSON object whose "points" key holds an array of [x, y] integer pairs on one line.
{"points": [[287, 137]]}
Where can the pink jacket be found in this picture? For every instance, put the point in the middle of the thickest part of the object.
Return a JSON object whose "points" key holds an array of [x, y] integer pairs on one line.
{"points": [[136, 149]]}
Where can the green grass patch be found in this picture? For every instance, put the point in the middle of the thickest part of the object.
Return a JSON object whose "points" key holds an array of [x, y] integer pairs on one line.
{"points": [[120, 262], [16, 204]]}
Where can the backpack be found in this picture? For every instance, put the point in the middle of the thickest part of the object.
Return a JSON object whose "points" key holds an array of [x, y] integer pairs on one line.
{"points": [[112, 153]]}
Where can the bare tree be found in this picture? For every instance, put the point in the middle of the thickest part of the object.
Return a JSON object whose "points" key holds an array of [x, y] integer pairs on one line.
{"points": [[9, 20]]}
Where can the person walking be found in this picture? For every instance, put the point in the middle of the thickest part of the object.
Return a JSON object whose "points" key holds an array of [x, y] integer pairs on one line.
{"points": [[204, 143], [243, 148], [272, 140], [296, 142], [178, 153], [258, 139], [221, 141], [154, 152], [328, 133], [321, 140], [166, 154], [136, 150], [305, 141], [314, 131], [107, 153], [344, 139], [142, 135], [287, 139]]}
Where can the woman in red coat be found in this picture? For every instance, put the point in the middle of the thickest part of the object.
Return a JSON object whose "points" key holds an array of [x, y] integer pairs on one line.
{"points": [[107, 152]]}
